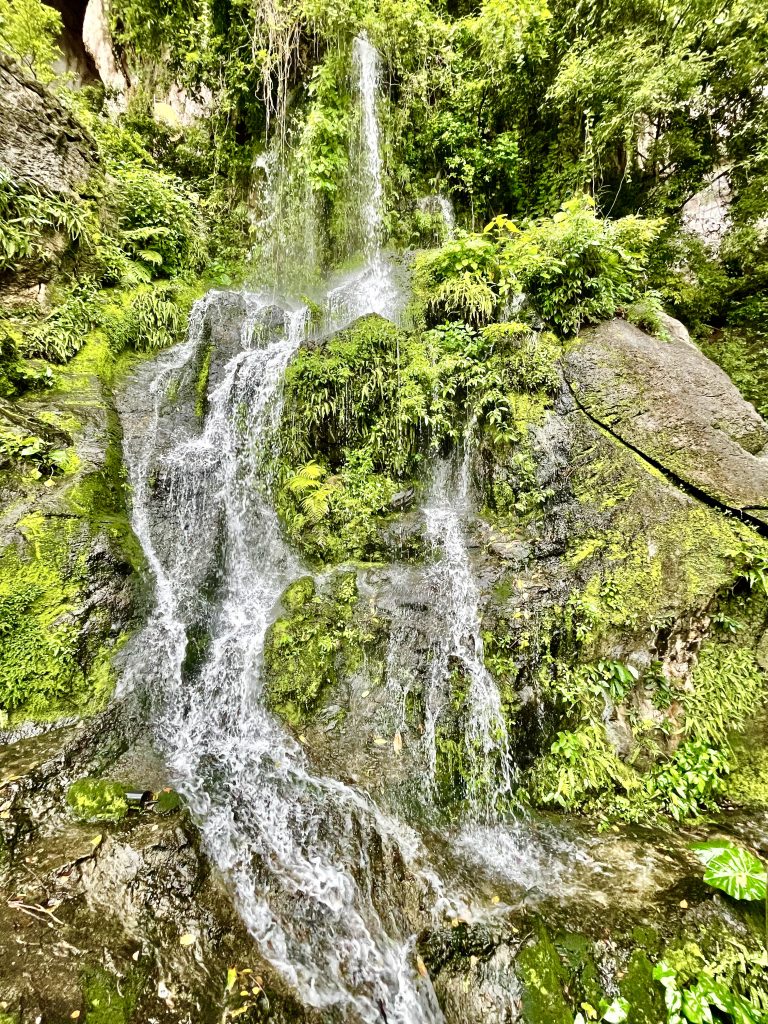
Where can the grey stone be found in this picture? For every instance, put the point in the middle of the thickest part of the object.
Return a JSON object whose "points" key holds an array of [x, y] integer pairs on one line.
{"points": [[675, 407], [40, 141]]}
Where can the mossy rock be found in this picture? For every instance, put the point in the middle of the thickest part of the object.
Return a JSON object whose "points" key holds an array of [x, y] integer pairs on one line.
{"points": [[109, 1000], [308, 650], [298, 594], [168, 802], [543, 977], [97, 800], [643, 994]]}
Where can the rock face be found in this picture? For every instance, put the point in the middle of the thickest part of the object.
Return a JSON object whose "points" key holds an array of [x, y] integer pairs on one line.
{"points": [[115, 921], [678, 409], [40, 142], [706, 215], [68, 585]]}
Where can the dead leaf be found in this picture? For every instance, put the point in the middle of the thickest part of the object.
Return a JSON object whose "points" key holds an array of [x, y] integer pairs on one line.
{"points": [[684, 904], [421, 967], [187, 940], [379, 741], [74, 1015], [397, 742]]}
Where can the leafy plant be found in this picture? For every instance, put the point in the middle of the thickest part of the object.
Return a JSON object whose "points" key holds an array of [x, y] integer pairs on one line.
{"points": [[687, 784], [694, 1002], [29, 30], [733, 869], [574, 268]]}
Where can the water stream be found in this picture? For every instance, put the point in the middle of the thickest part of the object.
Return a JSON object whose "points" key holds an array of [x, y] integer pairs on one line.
{"points": [[458, 644], [302, 852]]}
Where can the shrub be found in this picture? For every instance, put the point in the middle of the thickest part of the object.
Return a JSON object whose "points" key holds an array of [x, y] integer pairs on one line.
{"points": [[574, 268], [153, 319], [28, 31], [158, 223]]}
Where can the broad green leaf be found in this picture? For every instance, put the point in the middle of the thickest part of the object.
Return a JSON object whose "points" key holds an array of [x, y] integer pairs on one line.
{"points": [[736, 872]]}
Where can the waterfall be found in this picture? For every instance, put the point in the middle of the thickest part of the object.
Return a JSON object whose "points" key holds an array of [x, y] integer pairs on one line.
{"points": [[458, 645], [368, 82], [301, 851], [305, 855]]}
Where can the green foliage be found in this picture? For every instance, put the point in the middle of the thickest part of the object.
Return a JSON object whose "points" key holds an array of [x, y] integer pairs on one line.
{"points": [[324, 147], [733, 869], [573, 268], [40, 458], [159, 226], [580, 765], [696, 1001], [59, 334], [97, 800], [727, 685], [147, 320], [28, 32], [29, 215], [688, 784], [364, 409], [44, 669]]}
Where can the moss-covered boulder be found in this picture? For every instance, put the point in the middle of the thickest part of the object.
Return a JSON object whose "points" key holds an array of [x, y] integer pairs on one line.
{"points": [[676, 407], [97, 800], [68, 557], [322, 638]]}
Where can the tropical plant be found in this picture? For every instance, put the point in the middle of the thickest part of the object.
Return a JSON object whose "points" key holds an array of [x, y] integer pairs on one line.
{"points": [[29, 30], [733, 869]]}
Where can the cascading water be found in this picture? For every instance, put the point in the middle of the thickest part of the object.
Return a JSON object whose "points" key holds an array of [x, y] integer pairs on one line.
{"points": [[457, 647], [374, 289], [368, 74], [301, 851], [305, 854]]}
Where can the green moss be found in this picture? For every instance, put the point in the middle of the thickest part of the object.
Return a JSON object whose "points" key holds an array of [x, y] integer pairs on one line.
{"points": [[40, 672], [643, 994], [543, 978], [201, 383], [110, 1000], [298, 594], [308, 650], [97, 800]]}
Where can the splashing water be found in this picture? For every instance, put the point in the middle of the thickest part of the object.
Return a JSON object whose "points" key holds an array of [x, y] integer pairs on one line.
{"points": [[305, 855], [302, 852]]}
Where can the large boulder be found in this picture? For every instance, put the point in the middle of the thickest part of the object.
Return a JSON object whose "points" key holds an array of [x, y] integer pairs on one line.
{"points": [[678, 409], [40, 141]]}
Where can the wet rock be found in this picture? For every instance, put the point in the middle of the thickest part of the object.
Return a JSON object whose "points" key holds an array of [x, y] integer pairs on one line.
{"points": [[400, 501], [127, 916], [707, 214], [678, 409]]}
